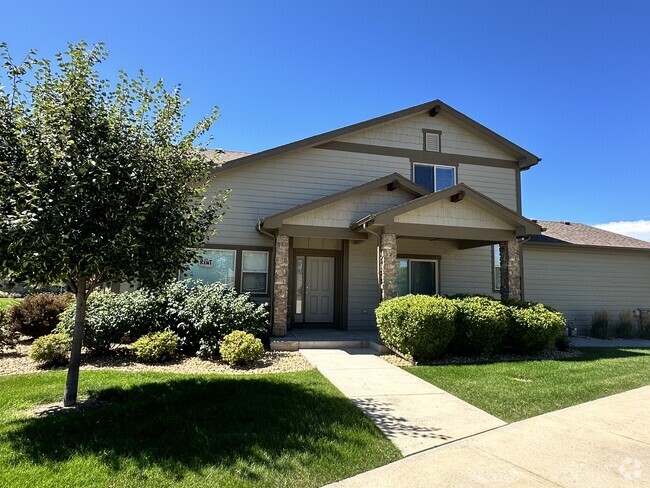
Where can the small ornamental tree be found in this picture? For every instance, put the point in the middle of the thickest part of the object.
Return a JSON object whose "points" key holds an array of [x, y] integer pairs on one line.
{"points": [[98, 182]]}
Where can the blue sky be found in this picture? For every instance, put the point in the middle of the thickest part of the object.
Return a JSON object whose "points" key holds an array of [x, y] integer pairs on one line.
{"points": [[567, 80]]}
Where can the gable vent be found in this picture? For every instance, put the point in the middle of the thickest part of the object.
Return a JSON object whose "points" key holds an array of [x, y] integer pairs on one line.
{"points": [[432, 141]]}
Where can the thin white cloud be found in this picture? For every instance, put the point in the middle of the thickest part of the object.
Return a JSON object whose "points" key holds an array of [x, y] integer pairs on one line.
{"points": [[635, 228]]}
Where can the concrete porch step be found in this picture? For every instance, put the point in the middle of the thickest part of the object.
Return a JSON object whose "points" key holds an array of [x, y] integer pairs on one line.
{"points": [[328, 339]]}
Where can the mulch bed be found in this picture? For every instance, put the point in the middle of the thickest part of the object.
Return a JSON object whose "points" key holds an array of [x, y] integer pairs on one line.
{"points": [[17, 361]]}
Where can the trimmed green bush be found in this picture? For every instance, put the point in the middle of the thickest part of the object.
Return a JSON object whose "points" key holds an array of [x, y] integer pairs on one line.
{"points": [[156, 347], [533, 328], [420, 327], [51, 350], [625, 325], [239, 347], [600, 324], [481, 326], [200, 315], [37, 315], [8, 338]]}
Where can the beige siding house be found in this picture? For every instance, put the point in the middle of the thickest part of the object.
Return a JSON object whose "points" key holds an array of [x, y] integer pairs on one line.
{"points": [[424, 200]]}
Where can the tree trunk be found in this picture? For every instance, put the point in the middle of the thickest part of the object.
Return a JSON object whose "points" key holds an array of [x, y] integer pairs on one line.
{"points": [[72, 382]]}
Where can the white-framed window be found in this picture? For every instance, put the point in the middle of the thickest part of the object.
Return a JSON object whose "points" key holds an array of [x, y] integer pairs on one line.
{"points": [[254, 272], [417, 276], [434, 177], [496, 267], [214, 266]]}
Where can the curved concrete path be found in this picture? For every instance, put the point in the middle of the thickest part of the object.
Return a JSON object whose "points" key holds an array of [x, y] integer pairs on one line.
{"points": [[413, 414], [602, 444]]}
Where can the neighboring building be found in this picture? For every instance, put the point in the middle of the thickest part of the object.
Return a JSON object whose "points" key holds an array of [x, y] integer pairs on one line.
{"points": [[424, 200]]}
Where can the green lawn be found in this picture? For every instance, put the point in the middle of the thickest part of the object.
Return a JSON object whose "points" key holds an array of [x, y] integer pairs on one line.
{"points": [[5, 303], [517, 390], [159, 429]]}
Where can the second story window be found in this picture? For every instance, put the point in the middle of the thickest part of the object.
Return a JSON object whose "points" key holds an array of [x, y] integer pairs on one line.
{"points": [[434, 177]]}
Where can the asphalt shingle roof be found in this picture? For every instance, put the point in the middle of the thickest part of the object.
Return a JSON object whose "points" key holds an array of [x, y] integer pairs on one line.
{"points": [[223, 156], [584, 235]]}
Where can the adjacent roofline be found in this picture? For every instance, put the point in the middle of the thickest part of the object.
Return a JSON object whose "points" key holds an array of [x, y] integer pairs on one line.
{"points": [[398, 181], [593, 247], [525, 227], [526, 159]]}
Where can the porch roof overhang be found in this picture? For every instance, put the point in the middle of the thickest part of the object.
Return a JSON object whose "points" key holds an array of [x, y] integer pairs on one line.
{"points": [[276, 222], [389, 221]]}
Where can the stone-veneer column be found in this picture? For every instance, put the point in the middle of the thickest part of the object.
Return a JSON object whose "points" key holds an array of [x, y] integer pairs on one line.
{"points": [[281, 286], [510, 270], [388, 265]]}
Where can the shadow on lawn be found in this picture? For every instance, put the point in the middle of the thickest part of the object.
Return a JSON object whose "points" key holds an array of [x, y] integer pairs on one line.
{"points": [[187, 424], [588, 354]]}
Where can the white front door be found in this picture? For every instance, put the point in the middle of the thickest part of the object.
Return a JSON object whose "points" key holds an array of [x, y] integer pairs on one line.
{"points": [[319, 289]]}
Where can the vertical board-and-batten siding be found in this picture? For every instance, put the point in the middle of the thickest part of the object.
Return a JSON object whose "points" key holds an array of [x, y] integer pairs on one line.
{"points": [[580, 281]]}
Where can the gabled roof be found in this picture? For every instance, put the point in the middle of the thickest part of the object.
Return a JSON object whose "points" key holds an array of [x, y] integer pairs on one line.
{"points": [[526, 159], [395, 180], [455, 193], [576, 234]]}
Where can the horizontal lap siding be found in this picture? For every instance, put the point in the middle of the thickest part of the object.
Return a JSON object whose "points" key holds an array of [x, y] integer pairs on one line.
{"points": [[466, 271], [267, 187], [500, 184], [579, 282], [363, 297]]}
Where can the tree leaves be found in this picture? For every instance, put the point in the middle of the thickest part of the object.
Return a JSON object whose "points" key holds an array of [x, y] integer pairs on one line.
{"points": [[97, 180]]}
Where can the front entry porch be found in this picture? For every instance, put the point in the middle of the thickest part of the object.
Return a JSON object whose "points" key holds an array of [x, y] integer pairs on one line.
{"points": [[297, 339]]}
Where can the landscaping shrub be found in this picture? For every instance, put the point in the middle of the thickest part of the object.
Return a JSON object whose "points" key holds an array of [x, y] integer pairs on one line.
{"points": [[37, 315], [113, 318], [644, 325], [462, 296], [156, 347], [625, 325], [481, 326], [563, 343], [200, 315], [533, 327], [51, 350], [8, 338], [240, 347], [600, 324], [419, 327]]}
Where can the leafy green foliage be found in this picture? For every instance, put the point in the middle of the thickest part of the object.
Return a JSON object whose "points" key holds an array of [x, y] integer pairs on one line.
{"points": [[418, 326], [51, 350], [8, 338], [37, 315], [97, 181], [533, 328], [600, 324], [200, 315], [481, 326], [240, 347], [156, 347], [625, 325]]}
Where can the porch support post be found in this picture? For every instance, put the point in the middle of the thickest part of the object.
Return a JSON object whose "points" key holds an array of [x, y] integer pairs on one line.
{"points": [[510, 270], [281, 286], [388, 266]]}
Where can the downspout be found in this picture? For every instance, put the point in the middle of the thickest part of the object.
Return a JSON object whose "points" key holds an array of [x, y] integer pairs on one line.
{"points": [[259, 229], [378, 265]]}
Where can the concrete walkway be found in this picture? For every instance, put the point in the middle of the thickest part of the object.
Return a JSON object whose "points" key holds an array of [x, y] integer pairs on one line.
{"points": [[603, 443], [413, 414]]}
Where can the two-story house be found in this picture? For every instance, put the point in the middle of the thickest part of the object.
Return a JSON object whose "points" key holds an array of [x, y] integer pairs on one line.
{"points": [[424, 200]]}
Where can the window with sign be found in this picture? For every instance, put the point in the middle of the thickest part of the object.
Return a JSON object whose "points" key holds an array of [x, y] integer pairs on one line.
{"points": [[214, 266]]}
